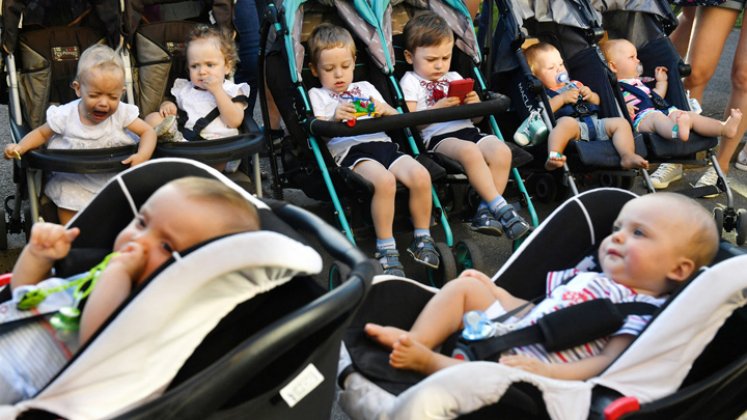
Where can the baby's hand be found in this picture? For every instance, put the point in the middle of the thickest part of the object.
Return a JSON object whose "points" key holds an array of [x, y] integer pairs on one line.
{"points": [[570, 96], [632, 109], [135, 159], [447, 102], [130, 259], [383, 108], [661, 74], [50, 241], [167, 108], [526, 363], [345, 111], [211, 84], [472, 98], [13, 151], [585, 92]]}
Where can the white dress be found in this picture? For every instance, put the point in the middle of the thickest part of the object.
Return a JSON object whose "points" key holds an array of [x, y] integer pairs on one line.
{"points": [[197, 103], [70, 190]]}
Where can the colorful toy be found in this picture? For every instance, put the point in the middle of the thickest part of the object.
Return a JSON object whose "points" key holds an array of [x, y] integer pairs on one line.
{"points": [[363, 107]]}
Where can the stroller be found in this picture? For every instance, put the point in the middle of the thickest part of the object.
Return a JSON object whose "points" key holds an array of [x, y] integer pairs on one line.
{"points": [[574, 29], [306, 164], [689, 362], [240, 329], [157, 49], [646, 25]]}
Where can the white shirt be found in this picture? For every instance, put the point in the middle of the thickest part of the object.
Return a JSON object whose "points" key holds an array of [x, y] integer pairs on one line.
{"points": [[419, 90], [324, 102], [197, 103], [73, 191]]}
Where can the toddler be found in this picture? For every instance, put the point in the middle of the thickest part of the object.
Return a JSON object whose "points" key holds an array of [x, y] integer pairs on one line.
{"points": [[212, 107], [176, 217], [485, 158], [575, 106], [647, 107], [97, 120], [373, 156], [647, 254]]}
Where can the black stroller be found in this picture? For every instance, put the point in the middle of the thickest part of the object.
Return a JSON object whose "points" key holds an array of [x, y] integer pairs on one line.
{"points": [[237, 327], [689, 362], [574, 29], [647, 25]]}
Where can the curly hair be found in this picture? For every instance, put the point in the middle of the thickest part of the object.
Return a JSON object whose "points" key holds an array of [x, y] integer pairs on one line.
{"points": [[224, 41]]}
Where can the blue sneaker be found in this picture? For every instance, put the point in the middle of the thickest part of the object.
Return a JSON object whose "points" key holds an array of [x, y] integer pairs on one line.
{"points": [[389, 259], [423, 251], [514, 226], [484, 222]]}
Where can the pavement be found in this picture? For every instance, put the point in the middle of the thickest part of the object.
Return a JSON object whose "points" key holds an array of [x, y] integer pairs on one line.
{"points": [[499, 249]]}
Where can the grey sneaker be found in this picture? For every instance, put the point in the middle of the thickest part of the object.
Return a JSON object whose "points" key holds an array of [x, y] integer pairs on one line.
{"points": [[665, 174], [389, 259], [423, 251], [741, 162], [710, 177]]}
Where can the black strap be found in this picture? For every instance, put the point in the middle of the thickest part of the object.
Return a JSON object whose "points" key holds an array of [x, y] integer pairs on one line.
{"points": [[653, 101], [566, 328], [200, 124]]}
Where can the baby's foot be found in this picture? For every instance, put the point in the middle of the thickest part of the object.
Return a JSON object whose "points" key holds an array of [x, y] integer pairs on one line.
{"points": [[384, 335], [554, 161], [731, 124], [412, 355], [683, 123], [633, 161]]}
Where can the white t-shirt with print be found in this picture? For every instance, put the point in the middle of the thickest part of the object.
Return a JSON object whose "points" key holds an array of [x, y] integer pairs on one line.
{"points": [[419, 90], [73, 191], [324, 102]]}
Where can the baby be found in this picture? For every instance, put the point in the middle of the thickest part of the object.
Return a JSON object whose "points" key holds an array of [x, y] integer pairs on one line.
{"points": [[179, 215], [647, 107], [373, 156], [648, 254], [575, 106], [97, 120], [486, 159]]}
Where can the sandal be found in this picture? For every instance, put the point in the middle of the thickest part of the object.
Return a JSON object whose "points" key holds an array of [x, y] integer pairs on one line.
{"points": [[389, 259], [514, 226], [423, 251]]}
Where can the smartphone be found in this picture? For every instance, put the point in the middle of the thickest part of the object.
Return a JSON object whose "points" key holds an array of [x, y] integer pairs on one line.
{"points": [[460, 88]]}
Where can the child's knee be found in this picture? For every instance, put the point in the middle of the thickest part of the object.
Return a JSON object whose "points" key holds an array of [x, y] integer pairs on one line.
{"points": [[386, 183]]}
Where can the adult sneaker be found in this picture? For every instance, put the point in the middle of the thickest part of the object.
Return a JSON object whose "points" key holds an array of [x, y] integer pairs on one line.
{"points": [[741, 162], [665, 174], [710, 177]]}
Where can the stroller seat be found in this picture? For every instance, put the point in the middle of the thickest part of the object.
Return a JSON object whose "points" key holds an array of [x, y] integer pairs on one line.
{"points": [[228, 326], [678, 367]]}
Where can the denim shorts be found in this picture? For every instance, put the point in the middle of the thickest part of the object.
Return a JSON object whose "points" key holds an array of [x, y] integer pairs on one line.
{"points": [[598, 126]]}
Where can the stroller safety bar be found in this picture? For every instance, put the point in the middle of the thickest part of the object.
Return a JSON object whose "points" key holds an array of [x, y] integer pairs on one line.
{"points": [[213, 151], [89, 161], [499, 103]]}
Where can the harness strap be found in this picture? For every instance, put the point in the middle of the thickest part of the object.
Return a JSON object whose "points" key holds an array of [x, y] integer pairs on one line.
{"points": [[195, 133]]}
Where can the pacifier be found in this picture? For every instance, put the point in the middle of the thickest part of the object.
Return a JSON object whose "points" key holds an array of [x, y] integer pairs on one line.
{"points": [[639, 69], [563, 78]]}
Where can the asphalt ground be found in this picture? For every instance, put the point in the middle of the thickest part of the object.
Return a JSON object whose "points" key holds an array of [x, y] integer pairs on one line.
{"points": [[495, 250]]}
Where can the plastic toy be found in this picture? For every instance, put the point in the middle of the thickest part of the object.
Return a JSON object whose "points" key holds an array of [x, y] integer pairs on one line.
{"points": [[363, 107]]}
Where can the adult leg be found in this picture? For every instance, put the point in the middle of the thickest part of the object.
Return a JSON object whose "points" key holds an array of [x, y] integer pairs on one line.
{"points": [[680, 37], [737, 99], [247, 23]]}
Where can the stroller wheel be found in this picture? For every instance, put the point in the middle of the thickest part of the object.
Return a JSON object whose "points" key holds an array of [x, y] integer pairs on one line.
{"points": [[468, 255], [447, 269], [718, 216], [741, 226], [545, 188], [338, 272], [3, 231]]}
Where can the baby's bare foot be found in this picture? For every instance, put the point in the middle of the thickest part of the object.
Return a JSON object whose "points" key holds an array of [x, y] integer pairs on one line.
{"points": [[554, 161], [633, 161], [384, 335], [412, 355], [684, 123], [731, 124]]}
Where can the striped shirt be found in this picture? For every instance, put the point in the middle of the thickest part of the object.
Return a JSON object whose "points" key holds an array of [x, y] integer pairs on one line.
{"points": [[583, 287], [630, 98]]}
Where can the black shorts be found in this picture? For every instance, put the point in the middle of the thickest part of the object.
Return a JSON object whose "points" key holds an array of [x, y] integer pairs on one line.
{"points": [[384, 152], [467, 134]]}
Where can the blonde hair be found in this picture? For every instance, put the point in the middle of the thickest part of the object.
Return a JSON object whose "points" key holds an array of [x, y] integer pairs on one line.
{"points": [[225, 42], [100, 57], [242, 214], [611, 45], [327, 36], [426, 29], [533, 53]]}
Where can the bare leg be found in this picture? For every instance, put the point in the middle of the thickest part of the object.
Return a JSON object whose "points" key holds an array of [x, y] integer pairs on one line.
{"points": [[65, 215], [710, 30], [471, 158], [417, 179], [738, 99], [498, 157], [564, 131], [712, 127], [621, 134], [153, 119], [409, 354], [663, 125], [680, 37], [382, 202]]}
